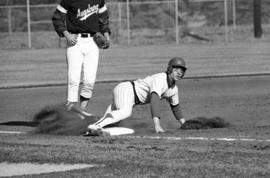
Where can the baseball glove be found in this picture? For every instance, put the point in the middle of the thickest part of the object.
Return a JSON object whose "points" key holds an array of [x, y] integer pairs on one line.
{"points": [[101, 41], [204, 123]]}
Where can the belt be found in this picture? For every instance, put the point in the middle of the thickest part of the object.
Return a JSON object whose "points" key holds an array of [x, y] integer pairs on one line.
{"points": [[137, 101], [85, 35]]}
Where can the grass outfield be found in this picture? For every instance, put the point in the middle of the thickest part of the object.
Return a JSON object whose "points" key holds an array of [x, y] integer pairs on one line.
{"points": [[48, 66]]}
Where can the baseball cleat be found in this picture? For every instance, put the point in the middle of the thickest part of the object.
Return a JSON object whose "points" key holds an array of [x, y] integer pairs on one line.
{"points": [[96, 132], [94, 127], [81, 113], [86, 113]]}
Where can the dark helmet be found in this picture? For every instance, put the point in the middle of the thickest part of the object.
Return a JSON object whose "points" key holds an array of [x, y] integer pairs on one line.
{"points": [[176, 62]]}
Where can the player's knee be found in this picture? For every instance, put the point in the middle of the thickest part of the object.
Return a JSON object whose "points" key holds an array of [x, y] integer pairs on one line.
{"points": [[127, 113]]}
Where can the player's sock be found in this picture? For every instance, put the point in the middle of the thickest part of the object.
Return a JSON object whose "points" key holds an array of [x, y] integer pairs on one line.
{"points": [[94, 127], [84, 102], [69, 104], [107, 120]]}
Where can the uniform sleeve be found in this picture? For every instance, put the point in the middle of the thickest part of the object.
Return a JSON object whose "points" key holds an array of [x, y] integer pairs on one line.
{"points": [[59, 18], [63, 5], [155, 105], [156, 85], [177, 112], [58, 21], [103, 18], [174, 103]]}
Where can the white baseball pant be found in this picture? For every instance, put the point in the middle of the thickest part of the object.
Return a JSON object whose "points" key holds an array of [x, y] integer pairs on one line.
{"points": [[121, 107], [82, 58]]}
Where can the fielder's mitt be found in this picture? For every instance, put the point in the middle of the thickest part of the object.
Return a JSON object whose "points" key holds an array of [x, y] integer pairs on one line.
{"points": [[204, 123], [101, 41]]}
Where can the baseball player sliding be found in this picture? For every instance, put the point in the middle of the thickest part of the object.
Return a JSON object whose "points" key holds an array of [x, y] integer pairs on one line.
{"points": [[142, 91], [78, 21]]}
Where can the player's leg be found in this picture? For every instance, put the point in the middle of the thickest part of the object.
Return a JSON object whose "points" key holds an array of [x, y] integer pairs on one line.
{"points": [[74, 65], [123, 102], [90, 65], [84, 102], [108, 110]]}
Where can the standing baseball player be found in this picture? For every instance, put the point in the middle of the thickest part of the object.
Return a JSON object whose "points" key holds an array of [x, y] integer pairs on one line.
{"points": [[142, 91], [78, 21]]}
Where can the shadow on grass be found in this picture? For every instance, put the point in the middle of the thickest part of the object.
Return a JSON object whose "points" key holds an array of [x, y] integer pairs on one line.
{"points": [[20, 123]]}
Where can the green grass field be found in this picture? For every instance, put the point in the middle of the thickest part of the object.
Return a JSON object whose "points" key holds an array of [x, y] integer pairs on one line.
{"points": [[242, 150], [156, 156]]}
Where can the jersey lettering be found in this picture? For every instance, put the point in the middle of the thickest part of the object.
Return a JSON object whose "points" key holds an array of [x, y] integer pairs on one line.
{"points": [[83, 15]]}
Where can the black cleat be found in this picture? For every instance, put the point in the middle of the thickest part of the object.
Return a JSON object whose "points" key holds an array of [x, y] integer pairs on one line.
{"points": [[95, 133]]}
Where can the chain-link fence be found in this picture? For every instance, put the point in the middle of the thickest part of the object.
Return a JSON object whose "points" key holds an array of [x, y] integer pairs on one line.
{"points": [[26, 24]]}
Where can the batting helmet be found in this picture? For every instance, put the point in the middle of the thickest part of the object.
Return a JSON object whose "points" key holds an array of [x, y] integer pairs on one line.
{"points": [[176, 62]]}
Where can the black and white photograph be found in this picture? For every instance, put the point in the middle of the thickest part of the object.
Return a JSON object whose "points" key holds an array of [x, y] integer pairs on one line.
{"points": [[135, 88]]}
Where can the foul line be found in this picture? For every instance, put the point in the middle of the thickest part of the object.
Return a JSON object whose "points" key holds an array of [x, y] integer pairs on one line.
{"points": [[173, 138], [200, 138], [11, 132]]}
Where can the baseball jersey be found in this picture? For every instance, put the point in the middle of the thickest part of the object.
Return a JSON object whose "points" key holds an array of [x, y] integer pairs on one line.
{"points": [[159, 84], [82, 15]]}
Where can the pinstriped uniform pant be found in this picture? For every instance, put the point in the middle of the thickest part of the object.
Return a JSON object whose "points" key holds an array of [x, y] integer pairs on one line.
{"points": [[121, 107], [123, 100]]}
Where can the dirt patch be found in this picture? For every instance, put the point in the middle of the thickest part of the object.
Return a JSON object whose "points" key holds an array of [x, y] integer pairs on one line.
{"points": [[58, 120]]}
